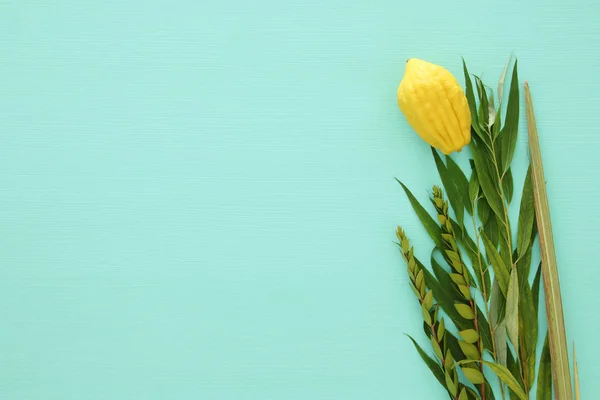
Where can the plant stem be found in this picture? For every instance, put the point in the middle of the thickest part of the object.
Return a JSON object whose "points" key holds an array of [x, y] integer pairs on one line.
{"points": [[499, 176]]}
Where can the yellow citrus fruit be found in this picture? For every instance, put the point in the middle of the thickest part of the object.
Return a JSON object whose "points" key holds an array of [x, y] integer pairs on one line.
{"points": [[435, 105]]}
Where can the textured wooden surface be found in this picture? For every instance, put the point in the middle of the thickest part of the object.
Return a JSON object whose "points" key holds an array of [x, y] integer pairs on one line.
{"points": [[197, 200]]}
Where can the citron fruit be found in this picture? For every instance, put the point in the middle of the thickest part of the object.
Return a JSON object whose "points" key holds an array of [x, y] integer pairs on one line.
{"points": [[435, 105]]}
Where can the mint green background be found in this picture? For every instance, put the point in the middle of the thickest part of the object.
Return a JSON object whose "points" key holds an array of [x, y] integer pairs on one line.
{"points": [[197, 198]]}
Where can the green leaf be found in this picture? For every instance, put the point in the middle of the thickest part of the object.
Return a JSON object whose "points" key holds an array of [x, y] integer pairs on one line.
{"points": [[474, 396], [436, 348], [472, 252], [442, 285], [464, 310], [501, 271], [451, 342], [512, 310], [441, 329], [497, 123], [488, 184], [469, 335], [501, 344], [535, 288], [515, 369], [465, 291], [434, 367], [526, 216], [484, 330], [448, 179], [463, 394], [450, 384], [501, 81], [489, 393], [460, 181], [428, 222], [483, 210], [473, 375], [508, 185], [491, 110], [426, 315], [483, 113], [477, 260], [469, 350], [497, 304], [497, 312], [458, 279], [528, 331], [544, 380], [470, 98], [473, 187], [511, 122], [505, 375], [524, 266], [428, 300], [492, 230]]}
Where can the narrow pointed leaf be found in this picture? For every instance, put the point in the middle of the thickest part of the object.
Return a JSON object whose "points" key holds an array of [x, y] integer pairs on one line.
{"points": [[497, 304], [483, 113], [514, 367], [450, 385], [501, 270], [426, 315], [460, 181], [535, 288], [528, 331], [489, 393], [473, 188], [441, 328], [442, 285], [508, 185], [470, 97], [434, 367], [436, 348], [501, 81], [428, 222], [511, 123], [483, 210], [501, 344], [512, 310], [505, 375], [544, 380], [484, 330], [491, 109], [526, 216], [428, 300], [492, 230], [455, 198], [489, 188], [524, 266]]}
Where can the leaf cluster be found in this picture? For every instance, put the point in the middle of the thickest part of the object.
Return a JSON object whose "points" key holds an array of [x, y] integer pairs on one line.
{"points": [[478, 274]]}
